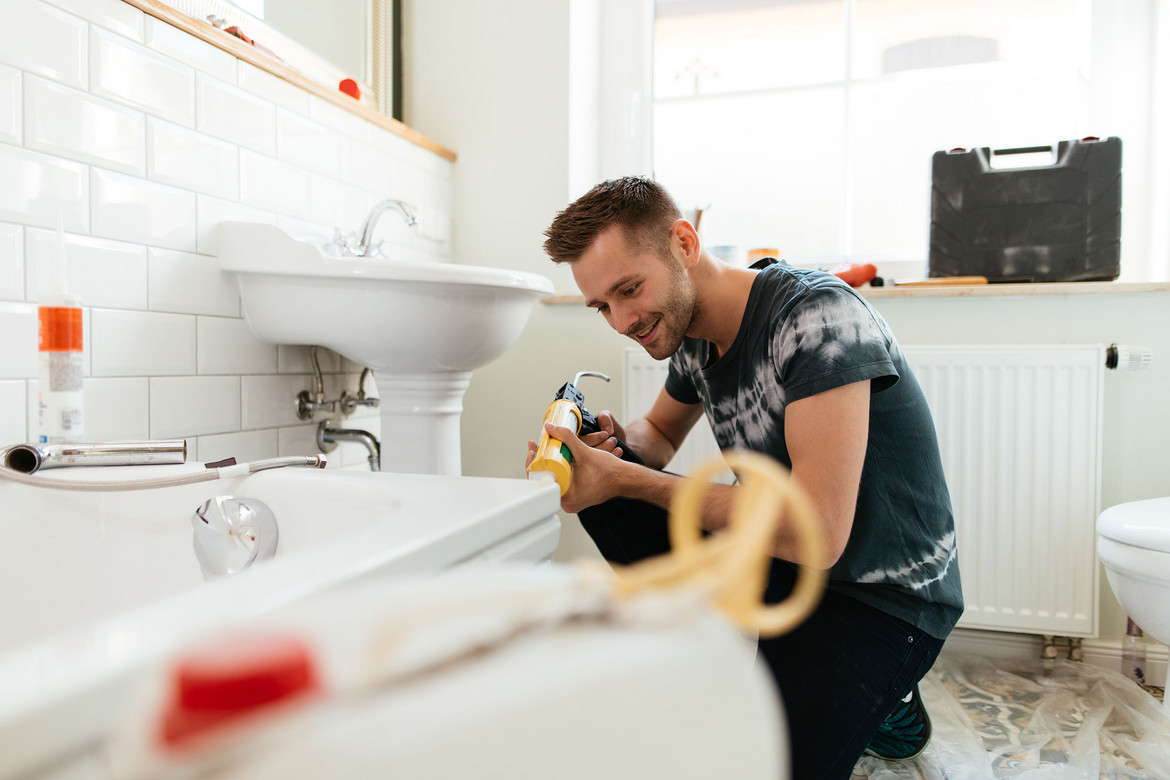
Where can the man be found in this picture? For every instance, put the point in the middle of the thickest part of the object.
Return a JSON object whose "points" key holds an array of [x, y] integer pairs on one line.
{"points": [[794, 364]]}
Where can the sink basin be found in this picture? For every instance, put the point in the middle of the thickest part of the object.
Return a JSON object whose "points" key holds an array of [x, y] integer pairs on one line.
{"points": [[422, 328]]}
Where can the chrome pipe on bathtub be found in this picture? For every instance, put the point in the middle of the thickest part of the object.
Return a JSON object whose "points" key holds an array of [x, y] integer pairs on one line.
{"points": [[29, 458]]}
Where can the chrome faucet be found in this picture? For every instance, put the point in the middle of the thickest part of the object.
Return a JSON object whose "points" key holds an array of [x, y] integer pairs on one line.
{"points": [[354, 245]]}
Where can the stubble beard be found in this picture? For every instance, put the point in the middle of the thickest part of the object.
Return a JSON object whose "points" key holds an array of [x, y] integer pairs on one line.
{"points": [[680, 309]]}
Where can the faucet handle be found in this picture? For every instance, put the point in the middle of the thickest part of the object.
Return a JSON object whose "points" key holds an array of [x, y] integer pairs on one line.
{"points": [[349, 403], [347, 244]]}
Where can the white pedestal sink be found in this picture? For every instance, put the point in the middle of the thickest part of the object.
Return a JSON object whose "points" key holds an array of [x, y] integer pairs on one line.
{"points": [[422, 328]]}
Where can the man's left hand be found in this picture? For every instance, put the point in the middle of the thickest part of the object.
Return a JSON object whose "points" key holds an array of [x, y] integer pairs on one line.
{"points": [[594, 468]]}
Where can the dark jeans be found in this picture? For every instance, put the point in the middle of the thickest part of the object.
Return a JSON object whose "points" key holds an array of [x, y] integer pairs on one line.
{"points": [[839, 673]]}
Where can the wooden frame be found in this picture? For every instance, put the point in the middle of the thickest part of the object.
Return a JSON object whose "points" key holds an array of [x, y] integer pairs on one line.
{"points": [[389, 93]]}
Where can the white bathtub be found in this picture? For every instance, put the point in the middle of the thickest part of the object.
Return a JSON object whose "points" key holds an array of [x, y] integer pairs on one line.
{"points": [[95, 584]]}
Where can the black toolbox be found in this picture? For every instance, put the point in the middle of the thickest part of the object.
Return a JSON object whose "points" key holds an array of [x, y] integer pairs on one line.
{"points": [[1044, 223]]}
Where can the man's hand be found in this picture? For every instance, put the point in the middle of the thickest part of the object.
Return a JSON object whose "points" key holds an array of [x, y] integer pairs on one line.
{"points": [[607, 438], [594, 469], [604, 440]]}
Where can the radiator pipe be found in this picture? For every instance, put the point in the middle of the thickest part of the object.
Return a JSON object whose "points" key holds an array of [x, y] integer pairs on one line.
{"points": [[1133, 653]]}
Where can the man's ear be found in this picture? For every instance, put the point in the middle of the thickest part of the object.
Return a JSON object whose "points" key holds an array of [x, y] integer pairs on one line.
{"points": [[686, 239]]}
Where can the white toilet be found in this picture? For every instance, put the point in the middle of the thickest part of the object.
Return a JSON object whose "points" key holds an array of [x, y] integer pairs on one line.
{"points": [[1133, 540]]}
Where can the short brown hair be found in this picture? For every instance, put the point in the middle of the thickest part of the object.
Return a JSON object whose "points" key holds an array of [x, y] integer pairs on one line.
{"points": [[642, 207]]}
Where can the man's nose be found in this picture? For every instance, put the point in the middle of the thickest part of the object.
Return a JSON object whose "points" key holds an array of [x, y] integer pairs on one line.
{"points": [[624, 318]]}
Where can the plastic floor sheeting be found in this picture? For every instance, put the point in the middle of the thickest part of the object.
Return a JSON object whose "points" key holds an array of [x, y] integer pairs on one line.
{"points": [[1035, 720]]}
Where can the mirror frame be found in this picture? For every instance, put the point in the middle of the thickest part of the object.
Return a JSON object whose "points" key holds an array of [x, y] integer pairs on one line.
{"points": [[390, 97]]}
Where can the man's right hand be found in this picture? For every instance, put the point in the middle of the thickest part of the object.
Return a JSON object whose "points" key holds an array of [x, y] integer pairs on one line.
{"points": [[606, 438]]}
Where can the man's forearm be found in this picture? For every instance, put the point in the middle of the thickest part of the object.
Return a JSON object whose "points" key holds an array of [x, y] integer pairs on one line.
{"points": [[659, 488], [646, 440]]}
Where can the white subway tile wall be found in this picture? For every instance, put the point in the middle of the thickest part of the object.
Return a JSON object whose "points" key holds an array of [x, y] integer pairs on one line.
{"points": [[11, 262], [267, 183], [200, 55], [39, 189], [184, 158], [140, 140], [100, 272], [10, 129], [186, 283], [116, 409], [12, 392], [134, 343], [112, 14], [38, 38], [129, 72], [74, 124], [18, 343], [235, 116]]}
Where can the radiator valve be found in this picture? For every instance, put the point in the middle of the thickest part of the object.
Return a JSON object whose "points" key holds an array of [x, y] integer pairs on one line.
{"points": [[1127, 357]]}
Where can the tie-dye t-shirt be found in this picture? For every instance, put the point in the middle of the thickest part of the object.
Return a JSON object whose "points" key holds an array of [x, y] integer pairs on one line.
{"points": [[805, 332]]}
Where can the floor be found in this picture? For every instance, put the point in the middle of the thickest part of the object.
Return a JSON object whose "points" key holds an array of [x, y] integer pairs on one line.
{"points": [[1034, 720]]}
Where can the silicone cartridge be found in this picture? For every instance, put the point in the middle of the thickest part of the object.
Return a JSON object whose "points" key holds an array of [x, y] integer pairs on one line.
{"points": [[552, 455]]}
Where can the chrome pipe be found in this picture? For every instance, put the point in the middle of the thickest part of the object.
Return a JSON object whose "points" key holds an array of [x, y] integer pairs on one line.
{"points": [[29, 458], [329, 437], [317, 461]]}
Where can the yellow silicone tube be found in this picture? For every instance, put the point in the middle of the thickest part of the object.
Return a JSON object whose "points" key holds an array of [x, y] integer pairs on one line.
{"points": [[552, 455]]}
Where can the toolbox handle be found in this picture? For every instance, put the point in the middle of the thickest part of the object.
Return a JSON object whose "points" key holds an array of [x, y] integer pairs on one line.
{"points": [[1023, 150], [1031, 151]]}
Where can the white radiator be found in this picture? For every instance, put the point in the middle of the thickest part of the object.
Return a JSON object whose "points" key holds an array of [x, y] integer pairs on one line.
{"points": [[1020, 432], [1019, 428]]}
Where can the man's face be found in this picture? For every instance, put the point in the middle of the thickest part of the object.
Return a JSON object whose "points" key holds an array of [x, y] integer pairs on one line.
{"points": [[641, 294]]}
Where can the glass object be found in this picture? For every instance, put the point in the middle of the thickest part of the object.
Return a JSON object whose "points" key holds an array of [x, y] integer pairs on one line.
{"points": [[231, 534]]}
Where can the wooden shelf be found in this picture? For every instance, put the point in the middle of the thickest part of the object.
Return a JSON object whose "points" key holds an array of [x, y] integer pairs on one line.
{"points": [[249, 54]]}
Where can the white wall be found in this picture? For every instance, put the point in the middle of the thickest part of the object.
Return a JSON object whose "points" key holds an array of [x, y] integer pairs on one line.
{"points": [[491, 81], [144, 138]]}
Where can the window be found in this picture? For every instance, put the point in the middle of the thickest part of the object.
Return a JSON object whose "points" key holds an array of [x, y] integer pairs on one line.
{"points": [[808, 125]]}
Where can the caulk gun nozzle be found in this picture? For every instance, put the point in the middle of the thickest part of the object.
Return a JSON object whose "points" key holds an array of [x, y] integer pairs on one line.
{"points": [[580, 374]]}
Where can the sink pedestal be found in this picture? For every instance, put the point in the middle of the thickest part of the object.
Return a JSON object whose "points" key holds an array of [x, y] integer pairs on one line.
{"points": [[420, 421]]}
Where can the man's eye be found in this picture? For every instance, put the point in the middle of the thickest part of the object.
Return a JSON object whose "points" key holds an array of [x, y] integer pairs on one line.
{"points": [[630, 290], [602, 309]]}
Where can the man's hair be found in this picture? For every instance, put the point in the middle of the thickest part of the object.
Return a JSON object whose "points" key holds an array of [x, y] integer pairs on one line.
{"points": [[641, 207]]}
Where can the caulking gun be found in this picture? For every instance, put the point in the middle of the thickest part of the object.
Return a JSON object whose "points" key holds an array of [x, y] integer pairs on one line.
{"points": [[568, 411]]}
